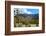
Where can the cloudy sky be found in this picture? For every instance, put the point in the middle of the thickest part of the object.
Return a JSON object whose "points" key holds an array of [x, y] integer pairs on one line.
{"points": [[33, 11], [27, 11]]}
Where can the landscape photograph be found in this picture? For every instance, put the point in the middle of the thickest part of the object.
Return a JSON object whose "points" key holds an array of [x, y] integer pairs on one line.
{"points": [[26, 17]]}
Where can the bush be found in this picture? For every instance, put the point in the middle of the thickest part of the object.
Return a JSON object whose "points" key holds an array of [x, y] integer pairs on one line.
{"points": [[34, 21]]}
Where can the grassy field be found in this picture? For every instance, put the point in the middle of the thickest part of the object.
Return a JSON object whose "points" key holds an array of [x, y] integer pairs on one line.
{"points": [[24, 22]]}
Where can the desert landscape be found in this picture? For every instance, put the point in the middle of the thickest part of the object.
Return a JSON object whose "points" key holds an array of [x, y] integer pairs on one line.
{"points": [[26, 20]]}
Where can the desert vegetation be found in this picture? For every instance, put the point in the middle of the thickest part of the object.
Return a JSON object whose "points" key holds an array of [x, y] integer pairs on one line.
{"points": [[25, 20]]}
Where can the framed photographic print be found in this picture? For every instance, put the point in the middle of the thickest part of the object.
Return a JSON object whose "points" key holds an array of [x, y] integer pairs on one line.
{"points": [[24, 17]]}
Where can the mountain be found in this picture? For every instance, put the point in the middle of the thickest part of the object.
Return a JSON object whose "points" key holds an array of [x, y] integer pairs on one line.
{"points": [[34, 16]]}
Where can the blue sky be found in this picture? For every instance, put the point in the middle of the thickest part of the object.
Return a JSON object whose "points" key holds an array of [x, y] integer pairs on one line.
{"points": [[27, 11], [31, 11]]}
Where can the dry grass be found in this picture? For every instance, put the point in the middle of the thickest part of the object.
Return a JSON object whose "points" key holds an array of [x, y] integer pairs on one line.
{"points": [[21, 21]]}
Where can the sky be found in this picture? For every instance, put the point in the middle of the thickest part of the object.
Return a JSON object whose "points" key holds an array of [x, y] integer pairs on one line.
{"points": [[31, 11], [27, 11]]}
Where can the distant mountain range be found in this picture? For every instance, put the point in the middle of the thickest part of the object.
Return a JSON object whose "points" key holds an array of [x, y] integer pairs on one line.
{"points": [[34, 16]]}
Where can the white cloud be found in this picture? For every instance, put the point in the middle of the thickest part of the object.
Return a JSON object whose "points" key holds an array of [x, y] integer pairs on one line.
{"points": [[23, 11]]}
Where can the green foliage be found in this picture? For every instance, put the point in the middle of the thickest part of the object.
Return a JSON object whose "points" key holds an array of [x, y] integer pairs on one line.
{"points": [[34, 21], [20, 22]]}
